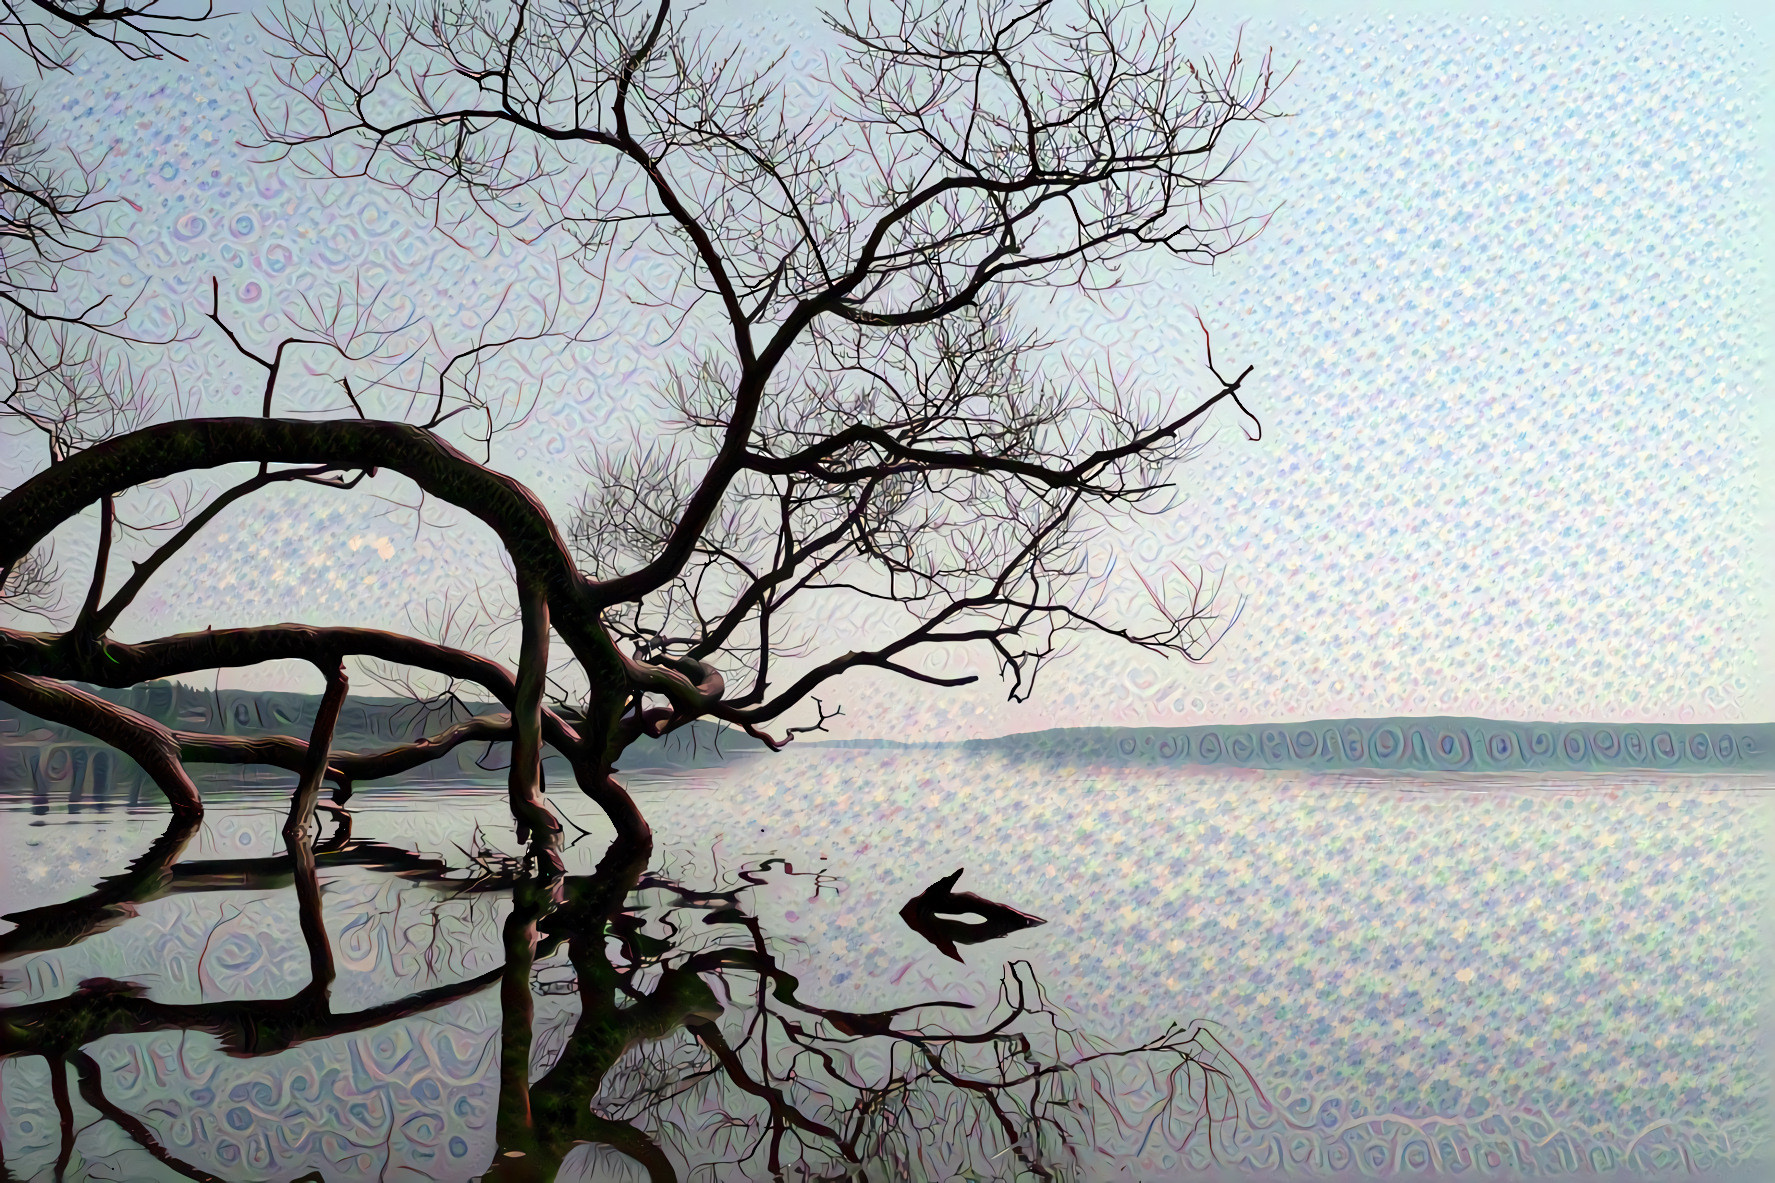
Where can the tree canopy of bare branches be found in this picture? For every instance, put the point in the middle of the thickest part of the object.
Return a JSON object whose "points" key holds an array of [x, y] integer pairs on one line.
{"points": [[50, 32], [858, 415]]}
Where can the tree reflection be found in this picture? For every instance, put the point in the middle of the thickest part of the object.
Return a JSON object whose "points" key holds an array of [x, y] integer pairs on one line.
{"points": [[677, 1042]]}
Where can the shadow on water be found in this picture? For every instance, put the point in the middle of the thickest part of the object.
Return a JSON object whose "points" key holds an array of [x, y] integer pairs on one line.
{"points": [[644, 1028]]}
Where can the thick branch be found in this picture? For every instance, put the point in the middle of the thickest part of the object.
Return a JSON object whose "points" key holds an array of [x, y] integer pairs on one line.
{"points": [[283, 751], [115, 663], [524, 787], [136, 736], [536, 548], [100, 562], [314, 760]]}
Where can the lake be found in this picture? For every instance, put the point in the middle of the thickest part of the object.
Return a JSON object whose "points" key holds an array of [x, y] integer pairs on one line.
{"points": [[1242, 973]]}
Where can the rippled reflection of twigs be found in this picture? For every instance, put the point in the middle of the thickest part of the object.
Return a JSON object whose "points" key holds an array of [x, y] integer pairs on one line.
{"points": [[644, 1021], [780, 1080]]}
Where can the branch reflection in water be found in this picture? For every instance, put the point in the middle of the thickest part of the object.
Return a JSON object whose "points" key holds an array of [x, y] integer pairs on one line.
{"points": [[671, 1041]]}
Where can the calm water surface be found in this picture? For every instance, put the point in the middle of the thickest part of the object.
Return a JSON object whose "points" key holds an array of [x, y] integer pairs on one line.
{"points": [[1242, 974]]}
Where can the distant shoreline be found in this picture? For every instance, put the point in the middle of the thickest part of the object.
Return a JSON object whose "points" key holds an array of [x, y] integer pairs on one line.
{"points": [[36, 756], [1436, 743]]}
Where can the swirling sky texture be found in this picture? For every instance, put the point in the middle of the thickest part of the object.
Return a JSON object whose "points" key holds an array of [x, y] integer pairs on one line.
{"points": [[1507, 326]]}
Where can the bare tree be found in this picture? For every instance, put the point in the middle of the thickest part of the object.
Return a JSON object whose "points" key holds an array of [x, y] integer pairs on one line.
{"points": [[49, 32], [63, 380], [858, 412], [60, 382]]}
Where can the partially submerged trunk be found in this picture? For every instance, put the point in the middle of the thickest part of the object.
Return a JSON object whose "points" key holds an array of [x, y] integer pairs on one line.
{"points": [[553, 595]]}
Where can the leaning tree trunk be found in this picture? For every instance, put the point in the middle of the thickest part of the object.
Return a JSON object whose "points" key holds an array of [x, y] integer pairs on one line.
{"points": [[552, 593]]}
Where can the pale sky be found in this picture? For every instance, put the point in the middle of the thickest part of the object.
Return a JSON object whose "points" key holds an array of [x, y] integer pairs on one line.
{"points": [[1509, 330]]}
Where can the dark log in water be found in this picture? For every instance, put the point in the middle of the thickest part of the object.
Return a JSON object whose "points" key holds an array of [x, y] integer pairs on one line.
{"points": [[933, 912]]}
